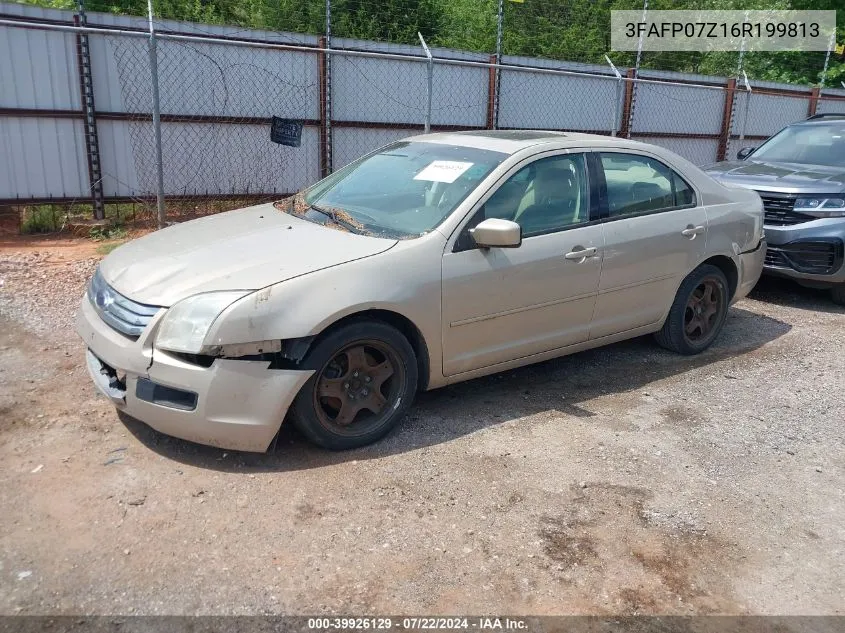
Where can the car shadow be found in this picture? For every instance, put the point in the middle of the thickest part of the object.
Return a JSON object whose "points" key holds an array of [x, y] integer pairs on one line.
{"points": [[787, 293], [561, 385]]}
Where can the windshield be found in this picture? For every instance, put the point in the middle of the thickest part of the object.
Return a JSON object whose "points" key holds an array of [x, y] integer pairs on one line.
{"points": [[811, 144], [403, 190]]}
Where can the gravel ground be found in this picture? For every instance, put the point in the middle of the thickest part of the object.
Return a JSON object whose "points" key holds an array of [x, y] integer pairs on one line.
{"points": [[40, 288], [618, 481]]}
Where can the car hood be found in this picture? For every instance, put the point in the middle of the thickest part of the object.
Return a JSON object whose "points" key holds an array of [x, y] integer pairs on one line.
{"points": [[247, 249], [776, 176]]}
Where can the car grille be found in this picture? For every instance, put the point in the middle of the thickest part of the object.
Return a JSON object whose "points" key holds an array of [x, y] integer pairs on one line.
{"points": [[816, 257], [121, 313], [776, 258], [777, 210]]}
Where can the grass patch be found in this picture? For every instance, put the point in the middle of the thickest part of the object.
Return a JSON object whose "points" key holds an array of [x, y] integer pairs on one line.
{"points": [[108, 233], [42, 218], [105, 249]]}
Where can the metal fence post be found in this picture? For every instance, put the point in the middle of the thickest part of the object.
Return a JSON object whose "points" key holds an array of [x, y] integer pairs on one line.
{"points": [[491, 93], [814, 100], [327, 89], [831, 43], [747, 106], [500, 20], [628, 104], [430, 76], [156, 119], [741, 59], [618, 102], [640, 42], [86, 93], [325, 122], [727, 117]]}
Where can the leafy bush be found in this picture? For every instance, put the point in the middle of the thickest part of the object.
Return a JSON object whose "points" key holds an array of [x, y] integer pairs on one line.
{"points": [[105, 233], [41, 219]]}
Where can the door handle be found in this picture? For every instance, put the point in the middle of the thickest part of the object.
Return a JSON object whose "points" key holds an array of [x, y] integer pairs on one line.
{"points": [[691, 231], [580, 253]]}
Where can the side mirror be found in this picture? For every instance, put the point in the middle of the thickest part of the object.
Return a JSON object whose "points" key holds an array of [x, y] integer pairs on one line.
{"points": [[495, 232], [745, 152]]}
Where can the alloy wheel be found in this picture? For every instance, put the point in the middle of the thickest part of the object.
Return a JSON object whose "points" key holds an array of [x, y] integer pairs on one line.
{"points": [[703, 310], [359, 387]]}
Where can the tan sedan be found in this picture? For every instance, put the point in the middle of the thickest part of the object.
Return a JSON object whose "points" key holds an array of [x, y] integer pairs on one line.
{"points": [[433, 260]]}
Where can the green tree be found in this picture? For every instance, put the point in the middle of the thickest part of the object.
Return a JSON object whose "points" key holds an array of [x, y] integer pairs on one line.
{"points": [[571, 30]]}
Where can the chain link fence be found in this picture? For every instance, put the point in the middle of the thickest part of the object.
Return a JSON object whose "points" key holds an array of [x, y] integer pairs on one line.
{"points": [[685, 118], [218, 90], [549, 97], [216, 102]]}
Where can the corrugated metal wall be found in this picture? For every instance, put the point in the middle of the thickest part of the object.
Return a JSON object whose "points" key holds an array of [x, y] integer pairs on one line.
{"points": [[216, 99]]}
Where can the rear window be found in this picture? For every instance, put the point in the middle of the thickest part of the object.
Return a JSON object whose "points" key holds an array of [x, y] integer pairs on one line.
{"points": [[639, 184]]}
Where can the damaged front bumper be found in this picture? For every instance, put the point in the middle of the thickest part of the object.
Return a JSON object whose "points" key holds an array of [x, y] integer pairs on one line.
{"points": [[232, 404]]}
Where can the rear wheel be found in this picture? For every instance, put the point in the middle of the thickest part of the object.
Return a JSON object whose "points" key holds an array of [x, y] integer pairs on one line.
{"points": [[365, 379], [698, 312], [837, 293]]}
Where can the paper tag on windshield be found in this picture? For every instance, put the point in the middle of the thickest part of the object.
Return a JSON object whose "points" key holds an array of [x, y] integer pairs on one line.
{"points": [[443, 171]]}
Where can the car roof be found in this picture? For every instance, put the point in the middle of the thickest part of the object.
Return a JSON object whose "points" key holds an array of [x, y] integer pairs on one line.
{"points": [[512, 141], [828, 119]]}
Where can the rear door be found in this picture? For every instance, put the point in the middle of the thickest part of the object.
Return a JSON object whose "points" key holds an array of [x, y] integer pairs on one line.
{"points": [[654, 234]]}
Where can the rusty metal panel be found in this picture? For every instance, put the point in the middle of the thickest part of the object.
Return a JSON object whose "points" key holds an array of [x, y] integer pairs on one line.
{"points": [[42, 158]]}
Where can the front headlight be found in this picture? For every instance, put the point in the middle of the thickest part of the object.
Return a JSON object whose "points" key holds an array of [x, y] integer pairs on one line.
{"points": [[822, 206], [184, 326], [96, 287]]}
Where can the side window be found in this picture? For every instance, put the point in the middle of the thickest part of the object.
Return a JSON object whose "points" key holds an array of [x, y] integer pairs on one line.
{"points": [[684, 197], [638, 184], [548, 195]]}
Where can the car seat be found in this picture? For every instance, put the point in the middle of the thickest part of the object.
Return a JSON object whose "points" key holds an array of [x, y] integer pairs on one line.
{"points": [[556, 199], [505, 203]]}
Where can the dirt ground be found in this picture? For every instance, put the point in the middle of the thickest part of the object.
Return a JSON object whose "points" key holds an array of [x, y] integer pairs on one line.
{"points": [[618, 481]]}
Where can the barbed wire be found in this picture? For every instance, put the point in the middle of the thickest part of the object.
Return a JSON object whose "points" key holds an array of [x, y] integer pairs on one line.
{"points": [[216, 102], [217, 97]]}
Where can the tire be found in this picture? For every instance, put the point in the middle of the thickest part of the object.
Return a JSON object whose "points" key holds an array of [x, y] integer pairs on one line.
{"points": [[365, 378], [686, 330], [837, 293]]}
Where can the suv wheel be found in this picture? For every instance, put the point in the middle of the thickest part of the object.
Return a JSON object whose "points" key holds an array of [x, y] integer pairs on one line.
{"points": [[365, 380], [698, 312]]}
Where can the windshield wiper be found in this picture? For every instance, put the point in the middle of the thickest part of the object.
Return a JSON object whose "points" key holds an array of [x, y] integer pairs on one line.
{"points": [[333, 216]]}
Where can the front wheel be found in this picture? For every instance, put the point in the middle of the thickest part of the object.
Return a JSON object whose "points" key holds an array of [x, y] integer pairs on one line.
{"points": [[698, 312], [364, 381]]}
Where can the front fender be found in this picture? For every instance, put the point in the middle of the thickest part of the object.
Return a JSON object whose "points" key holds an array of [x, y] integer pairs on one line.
{"points": [[404, 280]]}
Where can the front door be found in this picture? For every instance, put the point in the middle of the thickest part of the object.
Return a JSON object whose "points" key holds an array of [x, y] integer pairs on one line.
{"points": [[654, 236], [500, 304]]}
